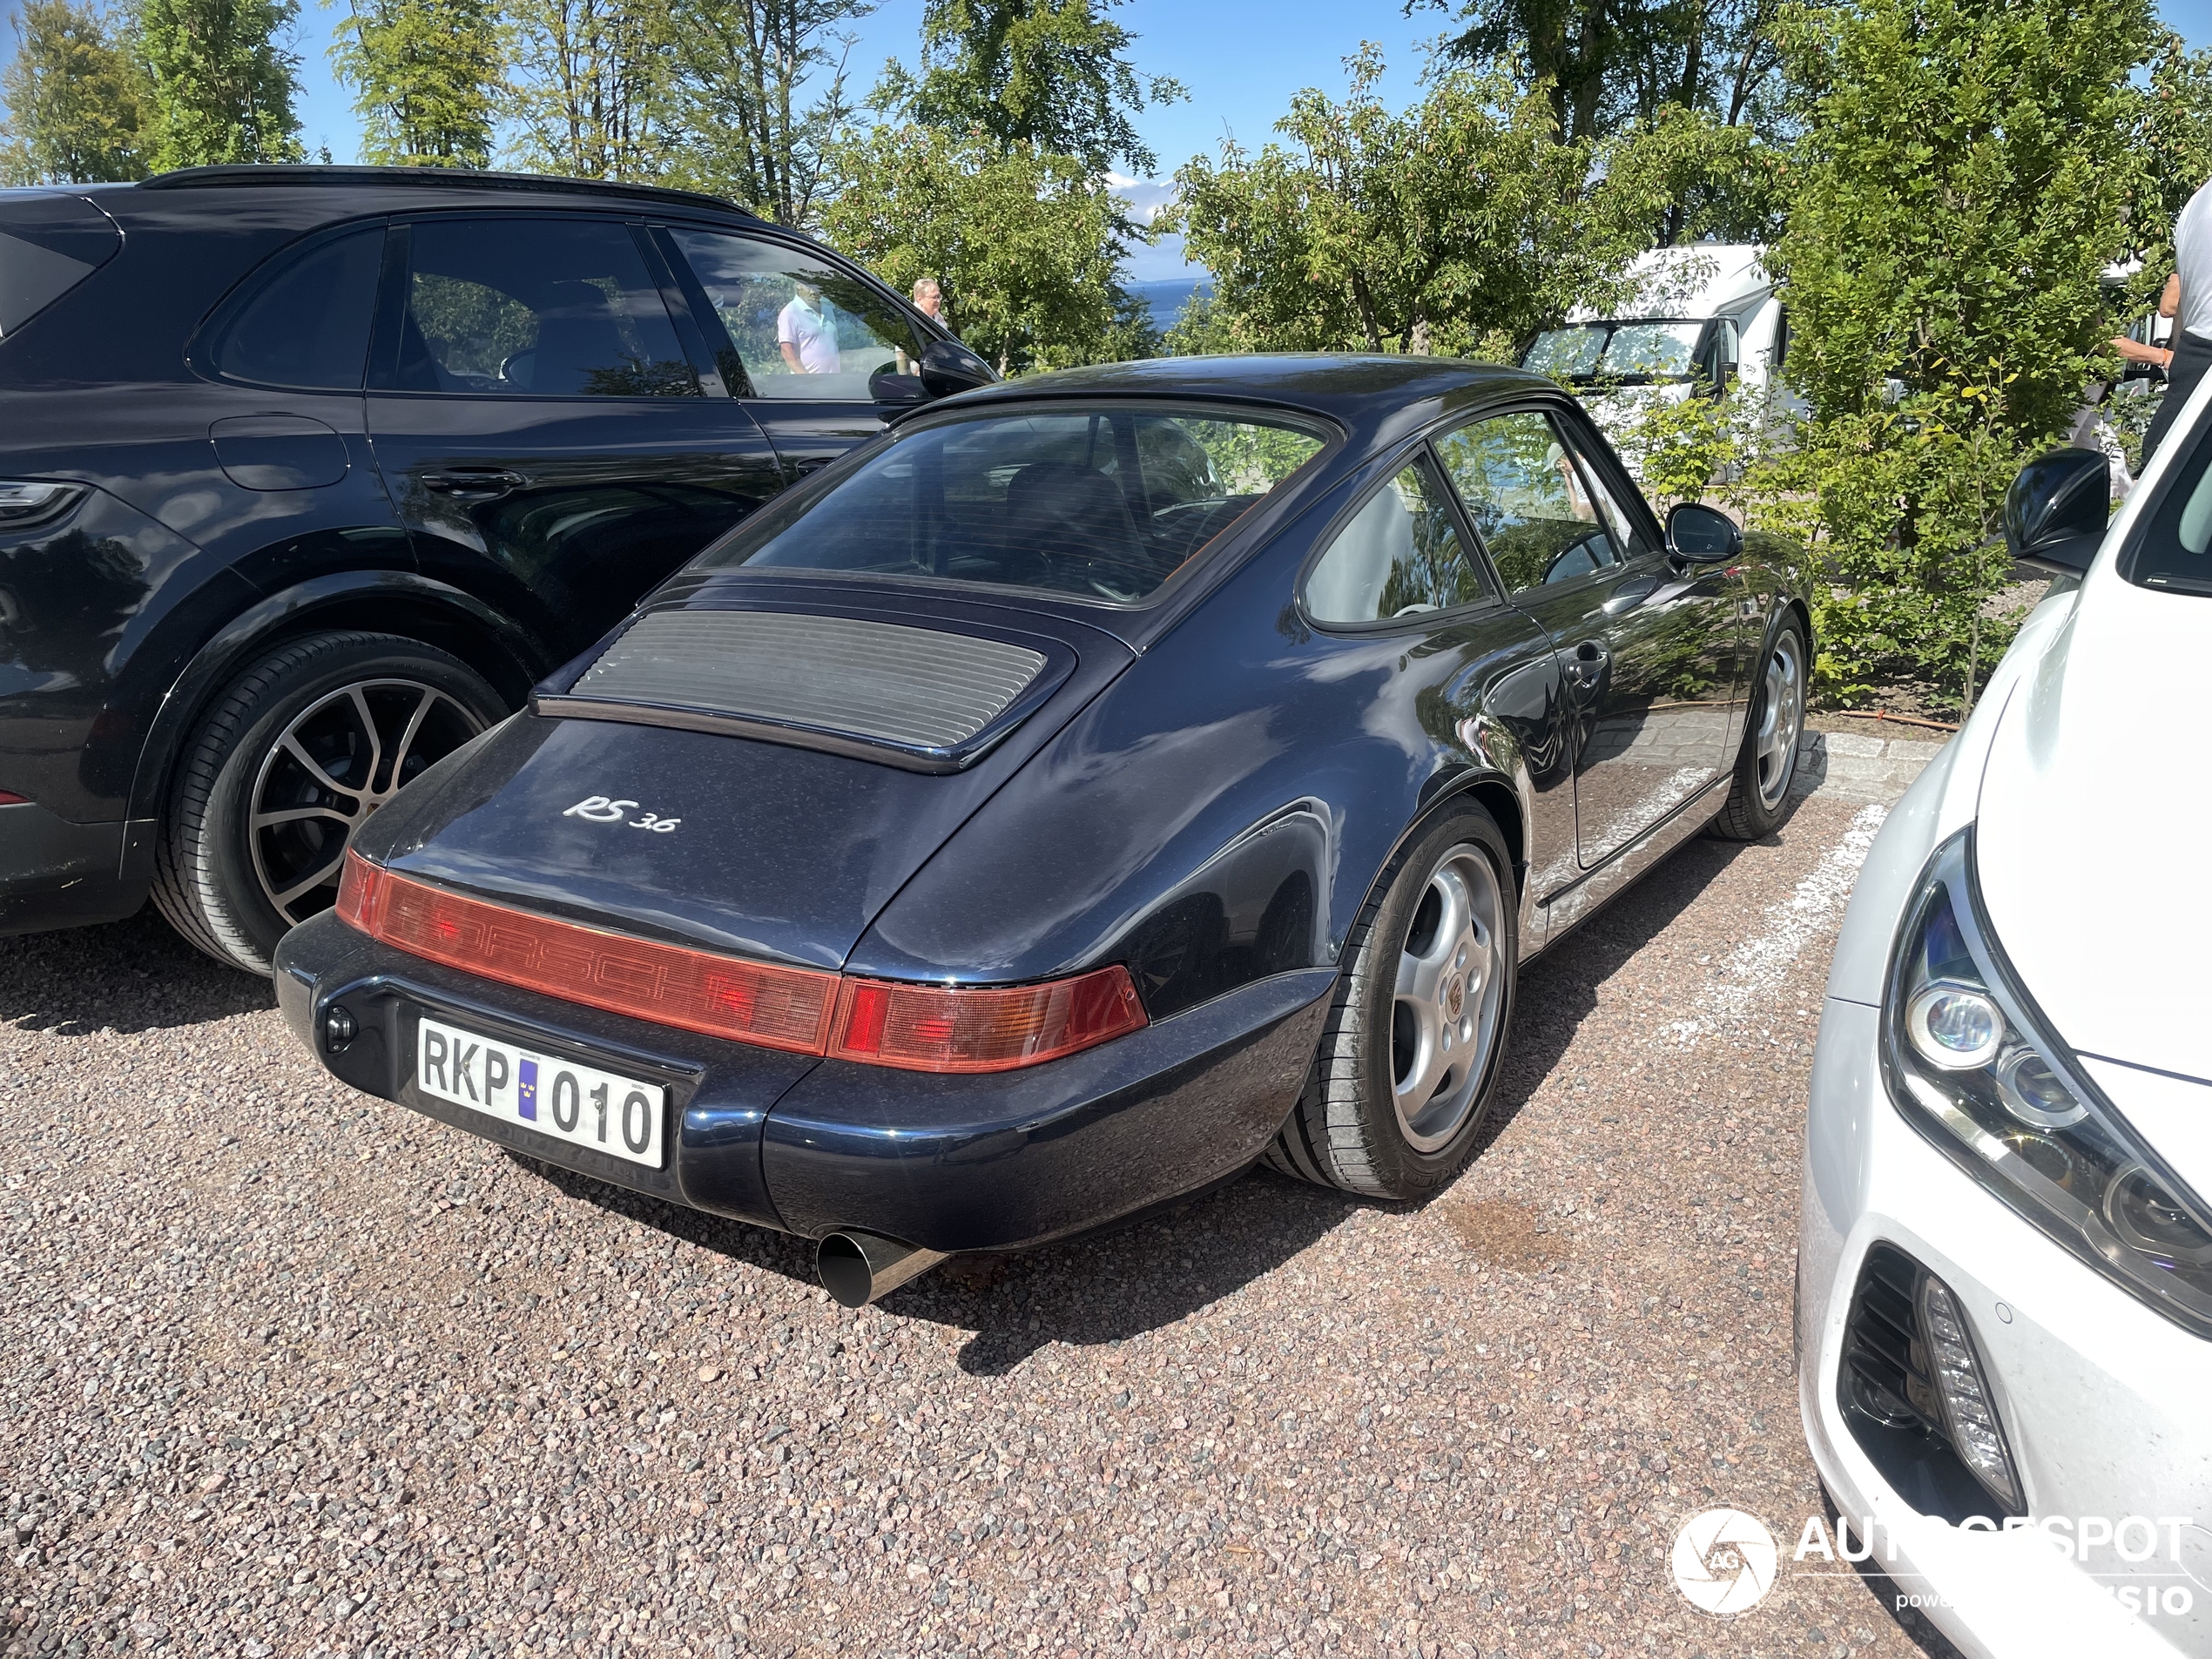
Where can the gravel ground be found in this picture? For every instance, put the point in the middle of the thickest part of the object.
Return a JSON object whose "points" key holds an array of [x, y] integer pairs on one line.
{"points": [[287, 1370]]}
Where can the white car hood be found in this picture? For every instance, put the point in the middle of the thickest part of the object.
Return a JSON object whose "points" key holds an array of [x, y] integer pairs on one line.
{"points": [[2093, 829]]}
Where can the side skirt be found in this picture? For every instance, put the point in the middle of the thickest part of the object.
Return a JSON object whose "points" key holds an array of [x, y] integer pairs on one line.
{"points": [[1576, 901]]}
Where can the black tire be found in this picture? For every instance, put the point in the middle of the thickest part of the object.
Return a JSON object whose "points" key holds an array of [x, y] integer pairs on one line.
{"points": [[1758, 798], [216, 875], [1348, 1129]]}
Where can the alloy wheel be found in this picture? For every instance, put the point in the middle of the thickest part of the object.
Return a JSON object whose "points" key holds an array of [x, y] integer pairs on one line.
{"points": [[1782, 716], [336, 763], [1451, 987]]}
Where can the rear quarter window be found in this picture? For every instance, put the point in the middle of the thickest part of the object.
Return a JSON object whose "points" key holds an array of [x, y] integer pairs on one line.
{"points": [[48, 245], [305, 320]]}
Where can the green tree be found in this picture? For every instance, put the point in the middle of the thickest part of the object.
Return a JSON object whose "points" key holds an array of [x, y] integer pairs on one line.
{"points": [[593, 88], [1608, 64], [1053, 74], [73, 100], [1456, 226], [426, 79], [741, 72], [222, 86], [1968, 175], [1027, 244], [2176, 133]]}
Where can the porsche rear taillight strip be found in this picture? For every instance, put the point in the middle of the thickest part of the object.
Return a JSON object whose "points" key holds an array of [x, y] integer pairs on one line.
{"points": [[879, 1022]]}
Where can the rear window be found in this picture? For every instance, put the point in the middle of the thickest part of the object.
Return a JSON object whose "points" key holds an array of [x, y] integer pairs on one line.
{"points": [[1101, 504], [48, 245]]}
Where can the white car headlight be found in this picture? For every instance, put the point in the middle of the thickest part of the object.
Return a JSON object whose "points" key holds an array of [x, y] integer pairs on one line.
{"points": [[1975, 1067]]}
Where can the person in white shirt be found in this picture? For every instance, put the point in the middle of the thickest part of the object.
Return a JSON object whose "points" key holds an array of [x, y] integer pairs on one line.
{"points": [[807, 333], [929, 299], [2193, 318]]}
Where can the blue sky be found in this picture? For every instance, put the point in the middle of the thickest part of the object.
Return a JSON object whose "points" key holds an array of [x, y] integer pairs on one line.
{"points": [[1242, 60]]}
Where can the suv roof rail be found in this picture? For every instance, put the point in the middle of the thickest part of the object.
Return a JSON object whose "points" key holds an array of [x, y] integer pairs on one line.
{"points": [[446, 177]]}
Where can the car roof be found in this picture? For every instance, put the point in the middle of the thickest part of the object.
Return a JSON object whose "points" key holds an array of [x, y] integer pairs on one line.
{"points": [[1358, 392], [459, 182]]}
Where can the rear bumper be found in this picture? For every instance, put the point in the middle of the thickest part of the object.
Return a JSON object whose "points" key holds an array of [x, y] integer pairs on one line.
{"points": [[54, 873], [998, 1161]]}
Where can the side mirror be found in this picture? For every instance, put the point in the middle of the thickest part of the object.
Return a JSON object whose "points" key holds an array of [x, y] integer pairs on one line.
{"points": [[1697, 534], [887, 385], [2056, 510], [949, 367]]}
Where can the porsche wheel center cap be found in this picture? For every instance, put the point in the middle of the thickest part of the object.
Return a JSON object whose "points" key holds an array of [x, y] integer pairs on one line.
{"points": [[1455, 996]]}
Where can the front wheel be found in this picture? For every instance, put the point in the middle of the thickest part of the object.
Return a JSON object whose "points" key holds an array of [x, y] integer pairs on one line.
{"points": [[299, 751], [1411, 1049], [1758, 798]]}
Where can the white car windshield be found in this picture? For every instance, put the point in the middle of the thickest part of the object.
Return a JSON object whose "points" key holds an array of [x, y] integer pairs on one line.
{"points": [[1616, 350], [1097, 504]]}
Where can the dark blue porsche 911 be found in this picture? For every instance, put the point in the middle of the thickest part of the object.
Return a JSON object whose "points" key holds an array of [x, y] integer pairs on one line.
{"points": [[1098, 783]]}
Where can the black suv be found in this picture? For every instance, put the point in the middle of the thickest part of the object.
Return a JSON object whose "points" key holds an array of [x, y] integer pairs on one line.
{"points": [[306, 474]]}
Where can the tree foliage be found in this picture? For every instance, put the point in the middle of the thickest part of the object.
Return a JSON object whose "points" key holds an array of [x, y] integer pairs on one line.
{"points": [[73, 98], [1968, 175], [1027, 244], [427, 77], [221, 85], [592, 88], [741, 74], [1610, 64], [1458, 226], [2176, 135], [1052, 74]]}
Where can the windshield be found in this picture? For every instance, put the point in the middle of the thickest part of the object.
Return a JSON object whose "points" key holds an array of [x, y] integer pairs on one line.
{"points": [[1614, 350], [1098, 503], [2174, 550]]}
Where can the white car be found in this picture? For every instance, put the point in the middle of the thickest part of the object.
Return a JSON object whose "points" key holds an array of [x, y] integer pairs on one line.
{"points": [[2005, 1264]]}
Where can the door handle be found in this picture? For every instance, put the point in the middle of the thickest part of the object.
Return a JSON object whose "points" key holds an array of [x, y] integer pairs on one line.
{"points": [[1630, 594], [1586, 666], [470, 484]]}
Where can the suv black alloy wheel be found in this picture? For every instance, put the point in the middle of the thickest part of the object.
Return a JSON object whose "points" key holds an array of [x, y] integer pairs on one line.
{"points": [[303, 746]]}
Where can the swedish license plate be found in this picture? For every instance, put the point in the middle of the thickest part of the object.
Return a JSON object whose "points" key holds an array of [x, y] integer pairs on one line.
{"points": [[578, 1105]]}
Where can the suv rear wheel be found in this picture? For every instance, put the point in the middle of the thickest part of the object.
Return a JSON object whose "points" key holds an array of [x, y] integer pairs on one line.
{"points": [[301, 748]]}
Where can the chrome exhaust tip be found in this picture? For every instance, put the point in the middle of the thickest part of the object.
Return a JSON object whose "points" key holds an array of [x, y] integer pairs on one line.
{"points": [[856, 1268]]}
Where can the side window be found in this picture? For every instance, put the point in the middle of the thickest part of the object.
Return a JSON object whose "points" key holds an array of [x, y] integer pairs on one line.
{"points": [[798, 327], [1401, 555], [307, 325], [536, 308], [1529, 500], [1629, 540]]}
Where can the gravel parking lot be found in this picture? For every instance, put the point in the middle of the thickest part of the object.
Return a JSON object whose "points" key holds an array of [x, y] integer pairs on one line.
{"points": [[286, 1371]]}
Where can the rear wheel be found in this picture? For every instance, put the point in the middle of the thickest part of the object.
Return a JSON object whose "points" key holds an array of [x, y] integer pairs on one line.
{"points": [[300, 749], [1411, 1051], [1759, 799]]}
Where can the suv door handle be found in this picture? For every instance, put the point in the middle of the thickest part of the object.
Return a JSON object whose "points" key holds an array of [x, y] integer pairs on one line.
{"points": [[473, 483]]}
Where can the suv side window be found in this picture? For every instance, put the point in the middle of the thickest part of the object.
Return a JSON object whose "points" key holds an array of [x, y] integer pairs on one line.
{"points": [[797, 328], [1531, 505], [1400, 555], [536, 308], [307, 325]]}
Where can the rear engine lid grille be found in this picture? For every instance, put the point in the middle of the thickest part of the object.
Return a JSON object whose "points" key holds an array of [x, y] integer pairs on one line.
{"points": [[929, 698]]}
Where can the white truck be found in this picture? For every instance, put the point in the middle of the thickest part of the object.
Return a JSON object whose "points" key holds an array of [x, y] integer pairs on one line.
{"points": [[1702, 315]]}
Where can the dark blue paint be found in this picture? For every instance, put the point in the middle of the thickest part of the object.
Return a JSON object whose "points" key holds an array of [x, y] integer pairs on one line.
{"points": [[1211, 799]]}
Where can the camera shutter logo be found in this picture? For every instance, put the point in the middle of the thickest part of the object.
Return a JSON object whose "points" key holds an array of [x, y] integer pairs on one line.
{"points": [[1724, 1561]]}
